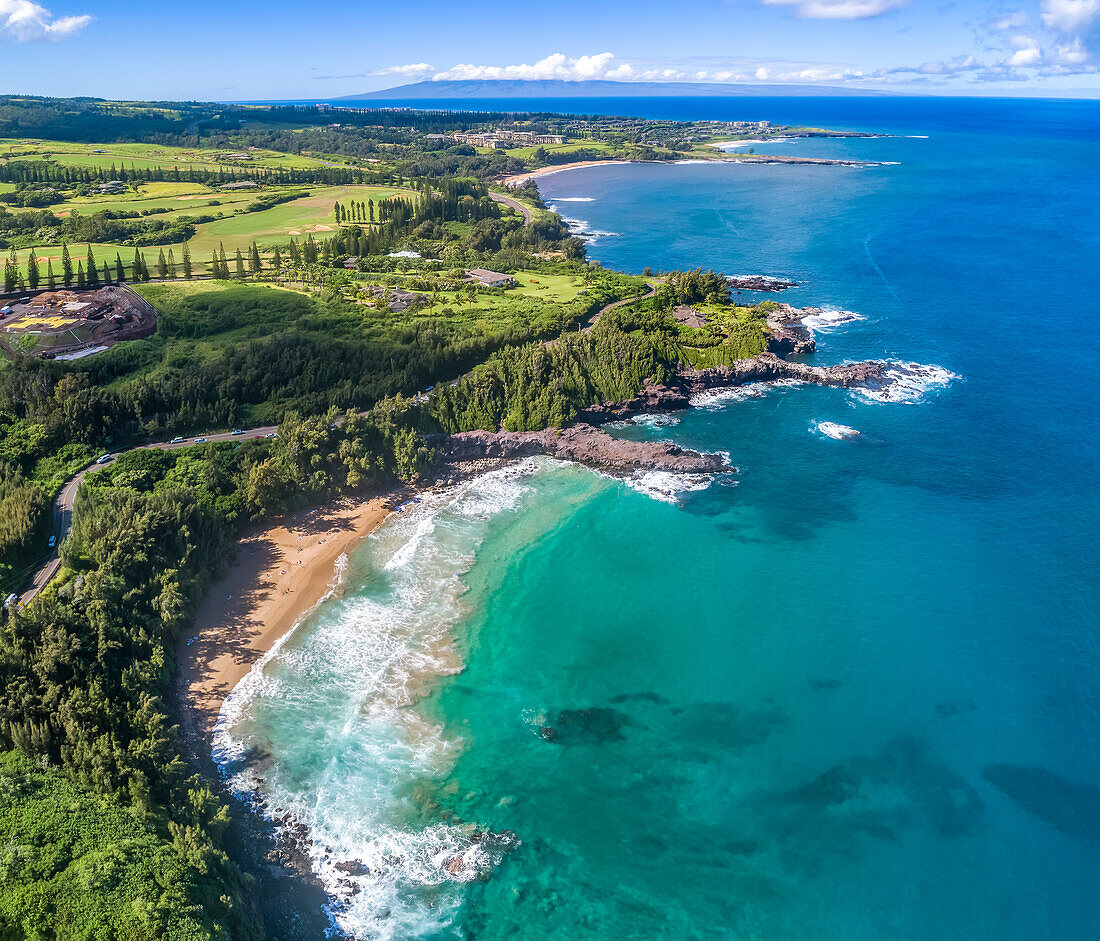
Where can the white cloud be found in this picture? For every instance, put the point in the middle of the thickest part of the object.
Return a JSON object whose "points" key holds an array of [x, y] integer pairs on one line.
{"points": [[838, 9], [1070, 16], [1027, 53], [415, 68], [24, 21], [556, 66], [1009, 21]]}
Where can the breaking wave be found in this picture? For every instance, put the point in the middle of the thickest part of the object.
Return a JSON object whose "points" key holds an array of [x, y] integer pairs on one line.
{"points": [[834, 430], [331, 701], [825, 318], [667, 486], [714, 399], [572, 199], [906, 382]]}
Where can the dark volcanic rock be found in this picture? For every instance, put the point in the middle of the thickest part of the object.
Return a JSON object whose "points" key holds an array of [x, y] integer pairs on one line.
{"points": [[787, 333], [584, 444], [758, 282]]}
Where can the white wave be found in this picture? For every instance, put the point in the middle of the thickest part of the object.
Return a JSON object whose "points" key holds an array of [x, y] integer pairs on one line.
{"points": [[825, 318], [917, 136], [667, 486], [579, 228], [572, 199], [656, 420], [738, 144], [906, 382], [834, 430], [328, 710], [713, 399]]}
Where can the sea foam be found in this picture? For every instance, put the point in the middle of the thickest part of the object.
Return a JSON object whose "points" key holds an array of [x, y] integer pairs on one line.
{"points": [[906, 382], [826, 318], [834, 430], [321, 730]]}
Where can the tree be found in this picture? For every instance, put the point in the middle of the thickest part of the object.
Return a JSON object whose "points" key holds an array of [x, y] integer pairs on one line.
{"points": [[80, 275], [295, 254], [240, 264], [371, 204], [338, 211], [277, 260], [171, 264], [66, 266], [51, 279], [11, 271], [162, 265], [32, 270], [186, 262], [120, 270], [215, 268], [254, 263], [223, 265], [106, 274], [93, 271], [135, 267]]}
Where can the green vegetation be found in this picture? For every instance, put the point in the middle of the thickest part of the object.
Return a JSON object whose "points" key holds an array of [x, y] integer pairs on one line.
{"points": [[106, 832], [75, 865]]}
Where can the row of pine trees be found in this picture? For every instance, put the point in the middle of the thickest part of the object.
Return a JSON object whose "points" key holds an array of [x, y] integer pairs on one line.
{"points": [[88, 273]]}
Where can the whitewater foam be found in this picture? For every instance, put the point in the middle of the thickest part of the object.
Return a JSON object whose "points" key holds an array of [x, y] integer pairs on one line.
{"points": [[906, 382], [330, 702], [666, 486], [834, 430], [572, 199], [827, 318], [713, 399]]}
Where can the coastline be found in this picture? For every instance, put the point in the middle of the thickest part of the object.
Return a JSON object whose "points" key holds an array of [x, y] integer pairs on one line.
{"points": [[283, 570]]}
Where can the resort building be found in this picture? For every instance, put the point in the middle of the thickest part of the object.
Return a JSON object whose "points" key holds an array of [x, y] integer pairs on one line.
{"points": [[490, 279]]}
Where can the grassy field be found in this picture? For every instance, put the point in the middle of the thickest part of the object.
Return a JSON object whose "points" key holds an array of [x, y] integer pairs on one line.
{"points": [[530, 286], [313, 213], [569, 148], [268, 227], [146, 156]]}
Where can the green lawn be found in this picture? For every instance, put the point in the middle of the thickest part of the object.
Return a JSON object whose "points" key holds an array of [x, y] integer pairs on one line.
{"points": [[147, 156]]}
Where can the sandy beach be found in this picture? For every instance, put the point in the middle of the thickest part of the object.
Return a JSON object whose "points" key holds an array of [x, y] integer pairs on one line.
{"points": [[546, 171], [281, 572]]}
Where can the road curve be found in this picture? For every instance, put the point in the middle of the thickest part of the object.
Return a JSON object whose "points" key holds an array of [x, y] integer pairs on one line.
{"points": [[591, 322], [65, 501], [512, 203]]}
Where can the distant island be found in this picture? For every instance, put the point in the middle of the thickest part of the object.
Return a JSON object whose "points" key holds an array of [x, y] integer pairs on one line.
{"points": [[556, 88]]}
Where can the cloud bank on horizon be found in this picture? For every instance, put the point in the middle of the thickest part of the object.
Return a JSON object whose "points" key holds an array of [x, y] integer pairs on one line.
{"points": [[1057, 38]]}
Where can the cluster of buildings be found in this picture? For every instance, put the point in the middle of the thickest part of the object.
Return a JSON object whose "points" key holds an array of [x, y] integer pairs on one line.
{"points": [[500, 139]]}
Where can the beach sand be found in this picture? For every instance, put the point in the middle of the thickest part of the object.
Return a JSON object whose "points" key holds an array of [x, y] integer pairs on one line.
{"points": [[546, 171], [281, 572]]}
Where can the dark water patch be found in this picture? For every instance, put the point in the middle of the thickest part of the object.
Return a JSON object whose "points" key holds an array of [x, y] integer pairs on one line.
{"points": [[955, 707], [897, 787], [824, 684], [1067, 805], [654, 698], [596, 725]]}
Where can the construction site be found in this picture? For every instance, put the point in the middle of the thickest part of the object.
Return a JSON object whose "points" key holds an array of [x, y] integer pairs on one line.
{"points": [[72, 324]]}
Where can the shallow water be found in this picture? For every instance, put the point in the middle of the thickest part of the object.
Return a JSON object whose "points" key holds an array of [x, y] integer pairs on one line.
{"points": [[850, 693]]}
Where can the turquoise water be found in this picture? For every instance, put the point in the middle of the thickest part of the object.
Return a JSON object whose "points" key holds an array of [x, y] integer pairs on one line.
{"points": [[853, 695]]}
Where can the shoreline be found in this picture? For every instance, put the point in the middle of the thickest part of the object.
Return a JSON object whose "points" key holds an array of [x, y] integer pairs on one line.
{"points": [[283, 570]]}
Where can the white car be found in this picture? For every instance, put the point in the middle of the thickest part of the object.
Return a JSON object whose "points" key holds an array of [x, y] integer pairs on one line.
{"points": [[178, 440], [200, 441], [103, 459]]}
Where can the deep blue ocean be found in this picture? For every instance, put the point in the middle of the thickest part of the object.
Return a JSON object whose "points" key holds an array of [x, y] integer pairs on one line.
{"points": [[850, 693]]}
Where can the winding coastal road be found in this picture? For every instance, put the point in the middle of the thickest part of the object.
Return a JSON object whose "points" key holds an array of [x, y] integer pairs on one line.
{"points": [[65, 500], [512, 204]]}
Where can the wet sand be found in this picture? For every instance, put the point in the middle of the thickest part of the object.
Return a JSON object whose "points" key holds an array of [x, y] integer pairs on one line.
{"points": [[282, 571]]}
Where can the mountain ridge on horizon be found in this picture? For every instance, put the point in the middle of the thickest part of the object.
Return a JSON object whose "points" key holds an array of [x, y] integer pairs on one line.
{"points": [[559, 88]]}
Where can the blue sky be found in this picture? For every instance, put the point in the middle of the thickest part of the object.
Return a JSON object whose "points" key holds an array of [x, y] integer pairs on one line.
{"points": [[251, 50]]}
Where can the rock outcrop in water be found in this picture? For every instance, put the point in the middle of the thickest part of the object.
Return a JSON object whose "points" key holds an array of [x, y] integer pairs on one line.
{"points": [[787, 333], [765, 367], [584, 444], [758, 282]]}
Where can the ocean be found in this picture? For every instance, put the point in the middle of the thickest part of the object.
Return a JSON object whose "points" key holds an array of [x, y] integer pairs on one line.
{"points": [[847, 693]]}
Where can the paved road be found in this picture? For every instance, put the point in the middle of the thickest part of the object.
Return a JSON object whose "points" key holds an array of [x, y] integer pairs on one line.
{"points": [[65, 501], [514, 204], [591, 322]]}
